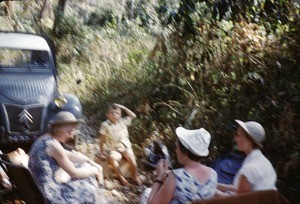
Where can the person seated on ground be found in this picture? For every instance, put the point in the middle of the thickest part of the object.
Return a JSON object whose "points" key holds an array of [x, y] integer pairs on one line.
{"points": [[227, 165], [114, 134], [48, 158], [256, 172], [155, 150], [191, 182]]}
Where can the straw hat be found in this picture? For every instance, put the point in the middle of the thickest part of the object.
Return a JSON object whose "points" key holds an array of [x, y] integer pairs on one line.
{"points": [[255, 131], [64, 117], [196, 141]]}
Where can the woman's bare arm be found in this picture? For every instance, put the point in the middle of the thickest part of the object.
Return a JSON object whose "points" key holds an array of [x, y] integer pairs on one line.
{"points": [[78, 157], [244, 185], [225, 187], [56, 151], [163, 193]]}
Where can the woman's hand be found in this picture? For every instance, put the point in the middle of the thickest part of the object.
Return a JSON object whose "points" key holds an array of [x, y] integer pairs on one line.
{"points": [[99, 176], [102, 155], [164, 186], [162, 168]]}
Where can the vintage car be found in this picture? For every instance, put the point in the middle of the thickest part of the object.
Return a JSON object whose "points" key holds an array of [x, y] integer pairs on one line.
{"points": [[29, 95]]}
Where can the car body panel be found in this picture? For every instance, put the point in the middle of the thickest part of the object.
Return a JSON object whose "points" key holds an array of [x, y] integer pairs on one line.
{"points": [[28, 90], [23, 41]]}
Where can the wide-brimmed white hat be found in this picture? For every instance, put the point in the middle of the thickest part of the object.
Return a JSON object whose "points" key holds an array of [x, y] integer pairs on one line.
{"points": [[64, 117], [196, 141], [255, 131]]}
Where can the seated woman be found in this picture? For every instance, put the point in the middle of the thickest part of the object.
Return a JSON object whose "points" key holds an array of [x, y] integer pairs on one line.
{"points": [[48, 159], [192, 182], [256, 172]]}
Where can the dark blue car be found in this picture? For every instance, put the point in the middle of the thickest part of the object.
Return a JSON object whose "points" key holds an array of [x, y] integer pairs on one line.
{"points": [[29, 95]]}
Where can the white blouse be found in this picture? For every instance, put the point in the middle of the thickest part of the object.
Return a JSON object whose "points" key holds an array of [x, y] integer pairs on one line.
{"points": [[259, 172]]}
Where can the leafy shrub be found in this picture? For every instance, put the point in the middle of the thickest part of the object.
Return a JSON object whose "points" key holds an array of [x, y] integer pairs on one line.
{"points": [[234, 69], [68, 25], [101, 18], [199, 64]]}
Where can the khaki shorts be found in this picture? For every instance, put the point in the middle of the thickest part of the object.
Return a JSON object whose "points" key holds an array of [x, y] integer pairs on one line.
{"points": [[116, 155]]}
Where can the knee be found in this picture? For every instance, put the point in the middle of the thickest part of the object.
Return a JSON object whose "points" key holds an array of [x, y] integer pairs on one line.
{"points": [[110, 159], [127, 156], [131, 159]]}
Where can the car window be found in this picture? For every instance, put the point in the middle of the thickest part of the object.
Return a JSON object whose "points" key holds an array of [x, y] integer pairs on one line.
{"points": [[29, 59]]}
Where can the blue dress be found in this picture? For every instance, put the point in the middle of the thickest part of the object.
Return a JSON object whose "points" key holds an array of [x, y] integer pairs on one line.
{"points": [[43, 168], [189, 188]]}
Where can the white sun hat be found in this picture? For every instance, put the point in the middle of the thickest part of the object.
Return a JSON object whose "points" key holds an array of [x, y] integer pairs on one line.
{"points": [[196, 141], [255, 131]]}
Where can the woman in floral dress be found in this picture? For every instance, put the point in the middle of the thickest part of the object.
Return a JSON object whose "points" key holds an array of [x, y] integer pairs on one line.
{"points": [[64, 176]]}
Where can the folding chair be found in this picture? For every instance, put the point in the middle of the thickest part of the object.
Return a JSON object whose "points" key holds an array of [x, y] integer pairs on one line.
{"points": [[23, 183]]}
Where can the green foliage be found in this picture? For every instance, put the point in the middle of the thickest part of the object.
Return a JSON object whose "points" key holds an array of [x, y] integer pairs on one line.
{"points": [[68, 25], [101, 18], [191, 63], [236, 69]]}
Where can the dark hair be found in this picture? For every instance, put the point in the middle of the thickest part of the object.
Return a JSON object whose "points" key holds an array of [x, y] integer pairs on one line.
{"points": [[112, 106], [190, 155]]}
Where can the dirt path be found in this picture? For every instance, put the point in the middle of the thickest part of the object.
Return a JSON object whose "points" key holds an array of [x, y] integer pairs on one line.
{"points": [[114, 191]]}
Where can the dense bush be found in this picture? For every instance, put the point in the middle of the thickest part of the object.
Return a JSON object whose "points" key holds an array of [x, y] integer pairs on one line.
{"points": [[190, 63], [100, 18], [242, 67]]}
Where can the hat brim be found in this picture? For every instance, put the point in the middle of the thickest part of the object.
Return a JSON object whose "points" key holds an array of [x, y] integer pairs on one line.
{"points": [[243, 125], [78, 121], [183, 136]]}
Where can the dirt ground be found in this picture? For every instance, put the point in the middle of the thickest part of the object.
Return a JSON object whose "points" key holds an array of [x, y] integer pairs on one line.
{"points": [[114, 192]]}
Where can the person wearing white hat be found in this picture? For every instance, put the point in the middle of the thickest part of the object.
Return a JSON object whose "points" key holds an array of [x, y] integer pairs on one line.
{"points": [[256, 172], [64, 176], [194, 180]]}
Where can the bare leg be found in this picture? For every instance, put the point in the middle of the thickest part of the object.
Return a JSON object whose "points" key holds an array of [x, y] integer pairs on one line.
{"points": [[115, 167], [133, 166]]}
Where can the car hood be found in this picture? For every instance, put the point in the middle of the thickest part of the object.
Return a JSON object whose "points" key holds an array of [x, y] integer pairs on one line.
{"points": [[27, 88]]}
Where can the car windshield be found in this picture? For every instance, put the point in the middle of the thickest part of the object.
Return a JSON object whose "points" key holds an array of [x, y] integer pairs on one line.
{"points": [[29, 59]]}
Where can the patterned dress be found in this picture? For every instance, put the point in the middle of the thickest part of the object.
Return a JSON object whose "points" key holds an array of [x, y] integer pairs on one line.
{"points": [[43, 168], [188, 188]]}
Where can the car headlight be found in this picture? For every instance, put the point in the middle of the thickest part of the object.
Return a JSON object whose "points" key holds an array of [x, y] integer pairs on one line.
{"points": [[60, 101]]}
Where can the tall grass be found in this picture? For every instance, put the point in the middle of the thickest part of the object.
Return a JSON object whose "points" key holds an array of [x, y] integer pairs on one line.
{"points": [[225, 70]]}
